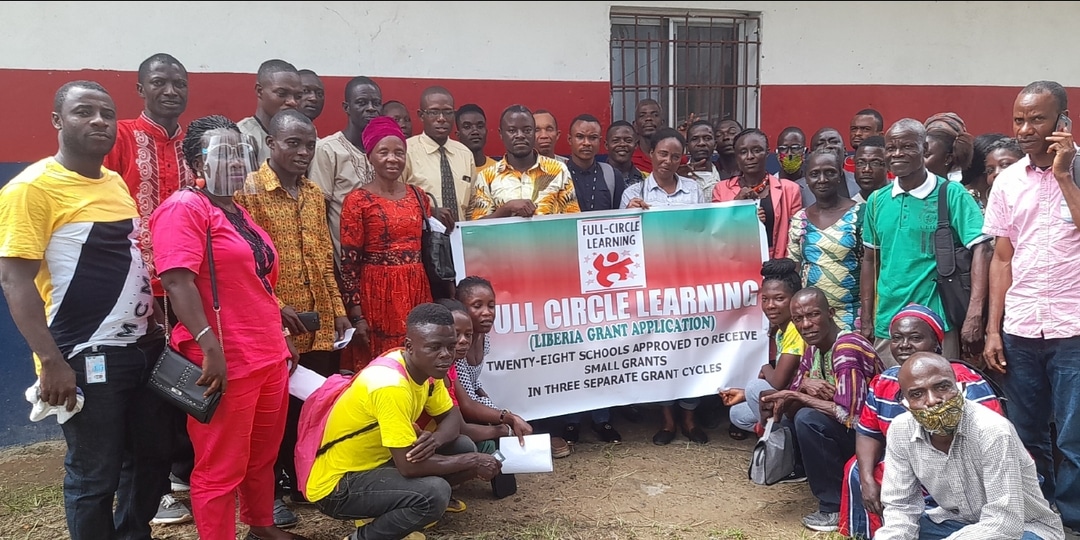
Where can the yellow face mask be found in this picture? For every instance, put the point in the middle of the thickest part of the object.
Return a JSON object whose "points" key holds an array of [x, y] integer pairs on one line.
{"points": [[943, 418]]}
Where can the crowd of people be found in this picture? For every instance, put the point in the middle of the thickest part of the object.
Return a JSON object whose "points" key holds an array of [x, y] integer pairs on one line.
{"points": [[250, 247]]}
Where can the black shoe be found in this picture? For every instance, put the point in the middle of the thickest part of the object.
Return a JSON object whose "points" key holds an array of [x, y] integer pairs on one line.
{"points": [[503, 485], [631, 413], [696, 434], [607, 432], [571, 433], [663, 437], [283, 517]]}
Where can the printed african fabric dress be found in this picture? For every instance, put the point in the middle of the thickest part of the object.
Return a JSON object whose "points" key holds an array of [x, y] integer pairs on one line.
{"points": [[831, 260]]}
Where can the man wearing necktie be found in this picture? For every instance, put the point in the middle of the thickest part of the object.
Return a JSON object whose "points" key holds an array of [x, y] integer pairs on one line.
{"points": [[436, 163]]}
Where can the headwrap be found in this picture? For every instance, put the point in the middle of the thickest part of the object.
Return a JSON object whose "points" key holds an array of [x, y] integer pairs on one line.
{"points": [[926, 315], [378, 129], [948, 121]]}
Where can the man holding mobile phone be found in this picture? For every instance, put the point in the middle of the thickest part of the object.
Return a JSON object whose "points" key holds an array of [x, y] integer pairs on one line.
{"points": [[1033, 334], [292, 210]]}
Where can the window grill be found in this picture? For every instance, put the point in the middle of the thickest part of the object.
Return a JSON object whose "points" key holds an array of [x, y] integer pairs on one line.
{"points": [[691, 63]]}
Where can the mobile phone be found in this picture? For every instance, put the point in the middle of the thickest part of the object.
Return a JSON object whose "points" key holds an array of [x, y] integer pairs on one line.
{"points": [[310, 320], [1064, 123]]}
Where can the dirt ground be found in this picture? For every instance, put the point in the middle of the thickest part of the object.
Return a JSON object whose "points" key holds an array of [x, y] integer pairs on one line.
{"points": [[629, 490]]}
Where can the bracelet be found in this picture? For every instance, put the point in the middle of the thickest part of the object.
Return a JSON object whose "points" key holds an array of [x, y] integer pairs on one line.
{"points": [[202, 333], [509, 431], [502, 416]]}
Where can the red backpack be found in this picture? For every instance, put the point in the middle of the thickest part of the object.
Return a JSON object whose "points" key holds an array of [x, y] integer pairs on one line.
{"points": [[316, 410]]}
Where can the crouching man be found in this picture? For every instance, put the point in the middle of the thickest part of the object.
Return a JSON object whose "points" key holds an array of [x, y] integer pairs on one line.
{"points": [[968, 458], [374, 461]]}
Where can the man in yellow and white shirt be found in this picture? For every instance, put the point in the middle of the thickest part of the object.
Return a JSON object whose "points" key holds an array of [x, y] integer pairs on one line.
{"points": [[523, 183], [374, 460]]}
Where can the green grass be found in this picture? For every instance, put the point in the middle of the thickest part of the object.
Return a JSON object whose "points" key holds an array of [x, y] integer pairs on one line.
{"points": [[26, 499]]}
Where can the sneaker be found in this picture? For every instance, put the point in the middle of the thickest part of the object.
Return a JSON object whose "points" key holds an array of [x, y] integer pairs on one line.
{"points": [[607, 432], [171, 512], [571, 433], [177, 484], [283, 517], [796, 477], [822, 521]]}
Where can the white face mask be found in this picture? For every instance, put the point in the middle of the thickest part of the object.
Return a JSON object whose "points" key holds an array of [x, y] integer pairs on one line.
{"points": [[229, 158]]}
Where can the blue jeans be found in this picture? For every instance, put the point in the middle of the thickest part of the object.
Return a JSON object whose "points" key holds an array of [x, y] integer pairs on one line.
{"points": [[824, 446], [399, 505], [117, 447], [928, 530], [1042, 382], [744, 415]]}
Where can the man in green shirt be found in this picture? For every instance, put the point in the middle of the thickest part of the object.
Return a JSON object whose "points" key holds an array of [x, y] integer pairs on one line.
{"points": [[898, 266]]}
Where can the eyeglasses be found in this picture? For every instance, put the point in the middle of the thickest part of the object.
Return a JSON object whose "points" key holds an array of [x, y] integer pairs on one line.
{"points": [[873, 163], [435, 113], [792, 149]]}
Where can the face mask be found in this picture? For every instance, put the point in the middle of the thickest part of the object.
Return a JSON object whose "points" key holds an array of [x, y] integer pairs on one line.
{"points": [[941, 419], [790, 162]]}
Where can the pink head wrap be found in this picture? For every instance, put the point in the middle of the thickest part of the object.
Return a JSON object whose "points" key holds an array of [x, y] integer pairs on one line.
{"points": [[378, 129]]}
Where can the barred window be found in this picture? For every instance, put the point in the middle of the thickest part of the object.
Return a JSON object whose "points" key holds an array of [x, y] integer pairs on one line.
{"points": [[700, 63]]}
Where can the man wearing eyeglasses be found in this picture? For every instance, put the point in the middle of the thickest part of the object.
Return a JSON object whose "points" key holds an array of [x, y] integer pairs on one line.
{"points": [[436, 163], [871, 168], [791, 152]]}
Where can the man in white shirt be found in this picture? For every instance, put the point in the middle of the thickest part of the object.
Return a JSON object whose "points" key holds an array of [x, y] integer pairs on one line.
{"points": [[968, 458]]}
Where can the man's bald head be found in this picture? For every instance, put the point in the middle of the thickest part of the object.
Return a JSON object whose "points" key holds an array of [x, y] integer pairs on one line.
{"points": [[926, 374], [813, 296]]}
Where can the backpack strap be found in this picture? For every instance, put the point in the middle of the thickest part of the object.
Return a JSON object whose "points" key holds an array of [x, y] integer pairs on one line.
{"points": [[944, 248], [609, 179]]}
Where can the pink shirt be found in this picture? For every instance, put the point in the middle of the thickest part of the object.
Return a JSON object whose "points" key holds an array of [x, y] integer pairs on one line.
{"points": [[250, 318], [1027, 207], [786, 200]]}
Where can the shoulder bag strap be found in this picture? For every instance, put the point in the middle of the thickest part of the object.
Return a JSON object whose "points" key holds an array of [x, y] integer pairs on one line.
{"points": [[944, 253], [423, 219], [213, 285]]}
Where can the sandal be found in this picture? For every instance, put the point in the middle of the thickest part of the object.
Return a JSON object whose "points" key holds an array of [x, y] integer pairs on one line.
{"points": [[455, 506], [737, 433]]}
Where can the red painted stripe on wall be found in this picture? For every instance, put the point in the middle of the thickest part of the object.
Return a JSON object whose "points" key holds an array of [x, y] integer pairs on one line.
{"points": [[985, 109], [29, 135]]}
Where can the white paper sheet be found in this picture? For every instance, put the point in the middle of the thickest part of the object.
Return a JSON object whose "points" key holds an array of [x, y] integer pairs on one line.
{"points": [[344, 341], [303, 382], [436, 225], [535, 457]]}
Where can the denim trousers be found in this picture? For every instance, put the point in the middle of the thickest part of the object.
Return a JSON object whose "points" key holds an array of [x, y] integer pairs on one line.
{"points": [[1042, 382], [744, 415], [928, 530], [118, 449], [824, 446], [399, 505]]}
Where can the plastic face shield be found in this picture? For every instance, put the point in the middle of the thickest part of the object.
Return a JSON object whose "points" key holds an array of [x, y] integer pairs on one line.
{"points": [[229, 158]]}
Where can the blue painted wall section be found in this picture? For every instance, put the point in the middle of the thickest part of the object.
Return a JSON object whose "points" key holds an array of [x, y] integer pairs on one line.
{"points": [[18, 371]]}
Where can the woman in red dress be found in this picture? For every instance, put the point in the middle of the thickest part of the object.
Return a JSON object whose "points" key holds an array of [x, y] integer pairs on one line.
{"points": [[382, 274]]}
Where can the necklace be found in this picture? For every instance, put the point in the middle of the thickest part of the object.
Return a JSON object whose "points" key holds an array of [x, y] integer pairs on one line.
{"points": [[760, 187]]}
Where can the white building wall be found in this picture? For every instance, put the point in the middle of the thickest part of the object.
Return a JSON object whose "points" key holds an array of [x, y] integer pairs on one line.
{"points": [[926, 43]]}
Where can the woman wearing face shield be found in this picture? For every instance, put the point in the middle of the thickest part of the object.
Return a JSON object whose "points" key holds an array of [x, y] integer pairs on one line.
{"points": [[914, 329], [241, 346]]}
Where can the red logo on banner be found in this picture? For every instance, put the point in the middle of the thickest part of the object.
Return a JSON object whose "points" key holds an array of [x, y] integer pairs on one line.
{"points": [[604, 271]]}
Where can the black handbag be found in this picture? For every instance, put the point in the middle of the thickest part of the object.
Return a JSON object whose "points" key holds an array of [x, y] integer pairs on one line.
{"points": [[174, 376], [953, 266], [434, 249]]}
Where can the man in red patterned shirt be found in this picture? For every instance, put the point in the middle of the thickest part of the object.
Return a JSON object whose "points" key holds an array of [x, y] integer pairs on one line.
{"points": [[149, 156], [148, 153]]}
